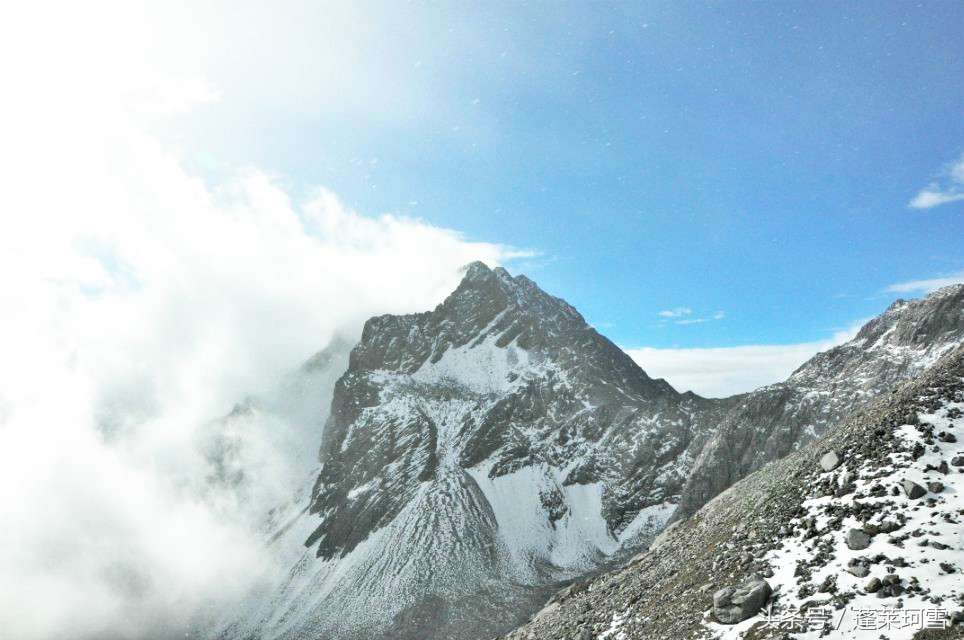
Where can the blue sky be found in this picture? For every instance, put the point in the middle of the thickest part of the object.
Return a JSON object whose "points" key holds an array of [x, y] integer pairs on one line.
{"points": [[752, 163]]}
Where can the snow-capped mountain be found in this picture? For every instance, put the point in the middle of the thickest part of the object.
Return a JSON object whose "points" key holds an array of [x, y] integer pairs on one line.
{"points": [[773, 421], [479, 455], [474, 455]]}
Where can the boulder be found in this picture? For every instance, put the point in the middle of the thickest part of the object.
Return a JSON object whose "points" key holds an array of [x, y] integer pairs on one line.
{"points": [[858, 539], [913, 490], [735, 604], [889, 587], [935, 487], [859, 567], [829, 461], [958, 461], [889, 526]]}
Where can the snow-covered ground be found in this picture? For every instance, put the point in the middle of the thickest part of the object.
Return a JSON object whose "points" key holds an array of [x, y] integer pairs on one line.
{"points": [[926, 554]]}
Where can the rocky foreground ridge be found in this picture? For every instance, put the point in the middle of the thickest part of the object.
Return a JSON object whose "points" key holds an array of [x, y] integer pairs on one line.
{"points": [[858, 535]]}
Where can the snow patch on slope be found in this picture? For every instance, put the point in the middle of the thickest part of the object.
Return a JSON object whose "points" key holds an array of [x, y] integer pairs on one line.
{"points": [[483, 368], [939, 524], [649, 521], [574, 542]]}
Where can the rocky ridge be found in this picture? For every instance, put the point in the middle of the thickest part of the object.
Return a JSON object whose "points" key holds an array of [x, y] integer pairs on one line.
{"points": [[857, 535], [774, 420]]}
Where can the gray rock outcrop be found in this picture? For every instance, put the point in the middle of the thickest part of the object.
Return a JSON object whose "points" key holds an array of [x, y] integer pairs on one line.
{"points": [[736, 604], [913, 490], [858, 539]]}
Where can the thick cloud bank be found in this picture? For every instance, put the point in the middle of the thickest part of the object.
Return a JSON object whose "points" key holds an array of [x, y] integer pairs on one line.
{"points": [[139, 303]]}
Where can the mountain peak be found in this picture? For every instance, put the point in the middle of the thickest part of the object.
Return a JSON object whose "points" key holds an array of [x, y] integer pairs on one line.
{"points": [[478, 275], [955, 289], [475, 271], [492, 307], [917, 322], [478, 272]]}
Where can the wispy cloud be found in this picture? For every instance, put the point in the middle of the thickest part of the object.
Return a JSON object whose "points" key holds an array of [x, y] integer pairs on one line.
{"points": [[683, 316], [724, 371], [949, 188], [926, 285]]}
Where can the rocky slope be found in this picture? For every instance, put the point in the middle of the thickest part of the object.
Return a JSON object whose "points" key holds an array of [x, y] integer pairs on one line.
{"points": [[770, 422], [860, 534], [475, 455]]}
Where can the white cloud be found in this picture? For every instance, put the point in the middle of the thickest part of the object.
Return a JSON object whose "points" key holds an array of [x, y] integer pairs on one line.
{"points": [[935, 194], [926, 285], [138, 303], [932, 196], [680, 316], [956, 171], [147, 301], [166, 96], [723, 371]]}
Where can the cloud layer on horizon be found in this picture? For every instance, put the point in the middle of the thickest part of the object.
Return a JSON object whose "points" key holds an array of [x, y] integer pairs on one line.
{"points": [[723, 371]]}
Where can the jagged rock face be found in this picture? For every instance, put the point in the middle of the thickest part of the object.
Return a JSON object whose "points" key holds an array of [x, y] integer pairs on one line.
{"points": [[475, 454], [773, 421], [499, 377]]}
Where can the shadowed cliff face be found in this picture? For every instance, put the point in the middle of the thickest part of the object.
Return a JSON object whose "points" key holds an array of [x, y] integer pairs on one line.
{"points": [[773, 421], [524, 381]]}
